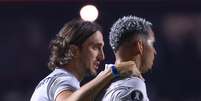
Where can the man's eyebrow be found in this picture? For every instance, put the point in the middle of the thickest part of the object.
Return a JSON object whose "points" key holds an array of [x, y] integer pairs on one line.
{"points": [[99, 44]]}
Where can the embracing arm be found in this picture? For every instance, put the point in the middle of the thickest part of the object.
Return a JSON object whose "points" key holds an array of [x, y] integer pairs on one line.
{"points": [[92, 88], [89, 90]]}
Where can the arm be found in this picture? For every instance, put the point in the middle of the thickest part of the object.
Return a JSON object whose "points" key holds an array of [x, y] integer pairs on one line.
{"points": [[89, 90]]}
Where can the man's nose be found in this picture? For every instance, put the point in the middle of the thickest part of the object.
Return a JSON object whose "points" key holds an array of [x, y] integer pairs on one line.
{"points": [[101, 55]]}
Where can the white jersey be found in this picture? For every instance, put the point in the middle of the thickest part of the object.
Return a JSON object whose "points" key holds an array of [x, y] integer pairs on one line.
{"points": [[128, 89], [56, 82]]}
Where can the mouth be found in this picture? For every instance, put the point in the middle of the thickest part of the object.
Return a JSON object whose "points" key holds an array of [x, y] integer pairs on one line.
{"points": [[97, 65]]}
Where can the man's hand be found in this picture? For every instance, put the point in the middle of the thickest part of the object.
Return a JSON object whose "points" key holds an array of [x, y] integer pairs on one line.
{"points": [[128, 68]]}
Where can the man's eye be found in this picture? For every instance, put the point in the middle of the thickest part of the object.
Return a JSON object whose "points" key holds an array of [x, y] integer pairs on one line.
{"points": [[95, 47]]}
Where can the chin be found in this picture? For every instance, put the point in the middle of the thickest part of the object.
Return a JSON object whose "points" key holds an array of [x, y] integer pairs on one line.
{"points": [[93, 72]]}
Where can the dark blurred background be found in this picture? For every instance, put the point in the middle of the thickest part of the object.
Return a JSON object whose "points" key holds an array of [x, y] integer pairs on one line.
{"points": [[26, 28]]}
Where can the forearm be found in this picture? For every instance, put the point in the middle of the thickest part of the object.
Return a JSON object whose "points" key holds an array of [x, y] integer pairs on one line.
{"points": [[88, 91]]}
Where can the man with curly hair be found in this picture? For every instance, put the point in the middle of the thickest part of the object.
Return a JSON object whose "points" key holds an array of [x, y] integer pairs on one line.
{"points": [[131, 38], [76, 51]]}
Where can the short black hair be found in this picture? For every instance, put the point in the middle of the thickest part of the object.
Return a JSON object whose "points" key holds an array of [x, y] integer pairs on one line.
{"points": [[125, 27], [74, 32]]}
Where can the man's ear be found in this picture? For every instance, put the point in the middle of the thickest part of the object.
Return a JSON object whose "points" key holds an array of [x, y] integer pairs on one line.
{"points": [[75, 50], [140, 47]]}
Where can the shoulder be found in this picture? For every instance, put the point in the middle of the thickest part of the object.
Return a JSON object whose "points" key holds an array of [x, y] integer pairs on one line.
{"points": [[58, 81], [134, 82], [61, 81], [130, 82], [129, 89], [61, 76], [58, 76]]}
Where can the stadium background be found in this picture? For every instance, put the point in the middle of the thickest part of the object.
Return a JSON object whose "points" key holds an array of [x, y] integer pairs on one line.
{"points": [[26, 27]]}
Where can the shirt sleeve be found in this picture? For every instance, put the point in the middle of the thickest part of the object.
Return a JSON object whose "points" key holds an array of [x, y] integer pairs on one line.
{"points": [[59, 84]]}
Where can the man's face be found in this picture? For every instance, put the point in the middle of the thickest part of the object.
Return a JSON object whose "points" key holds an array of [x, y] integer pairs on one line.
{"points": [[148, 53], [91, 53]]}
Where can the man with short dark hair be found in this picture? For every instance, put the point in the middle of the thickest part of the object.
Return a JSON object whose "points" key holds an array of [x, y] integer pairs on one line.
{"points": [[131, 39], [76, 51]]}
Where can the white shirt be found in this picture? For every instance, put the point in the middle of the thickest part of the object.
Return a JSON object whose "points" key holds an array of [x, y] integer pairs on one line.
{"points": [[56, 82], [128, 89]]}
